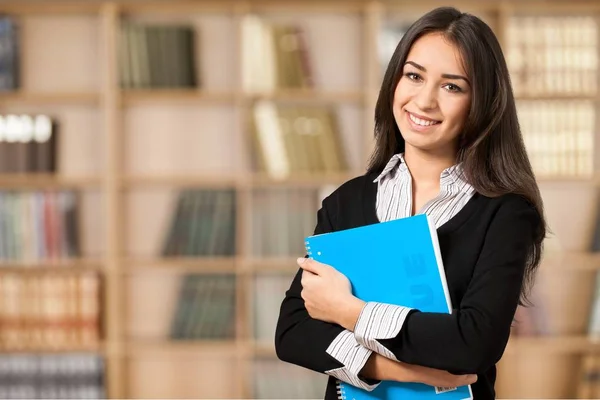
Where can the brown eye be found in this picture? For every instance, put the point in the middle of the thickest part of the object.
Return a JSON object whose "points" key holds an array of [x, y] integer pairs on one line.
{"points": [[453, 88], [413, 77]]}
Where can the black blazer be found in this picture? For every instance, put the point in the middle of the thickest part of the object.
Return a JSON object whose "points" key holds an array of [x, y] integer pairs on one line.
{"points": [[484, 248]]}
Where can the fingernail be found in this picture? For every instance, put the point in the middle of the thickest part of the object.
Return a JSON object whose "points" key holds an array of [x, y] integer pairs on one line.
{"points": [[301, 260]]}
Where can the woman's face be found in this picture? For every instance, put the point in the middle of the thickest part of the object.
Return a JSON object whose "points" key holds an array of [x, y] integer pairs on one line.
{"points": [[433, 96]]}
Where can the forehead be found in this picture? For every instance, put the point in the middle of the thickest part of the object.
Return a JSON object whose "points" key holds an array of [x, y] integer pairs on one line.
{"points": [[437, 54]]}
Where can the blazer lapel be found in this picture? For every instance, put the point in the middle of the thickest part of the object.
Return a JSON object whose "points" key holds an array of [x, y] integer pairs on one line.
{"points": [[369, 200]]}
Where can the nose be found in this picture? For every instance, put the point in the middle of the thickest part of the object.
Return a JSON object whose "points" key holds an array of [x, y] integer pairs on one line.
{"points": [[426, 97]]}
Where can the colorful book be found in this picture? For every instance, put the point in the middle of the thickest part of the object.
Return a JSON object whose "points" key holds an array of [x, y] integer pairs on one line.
{"points": [[395, 262]]}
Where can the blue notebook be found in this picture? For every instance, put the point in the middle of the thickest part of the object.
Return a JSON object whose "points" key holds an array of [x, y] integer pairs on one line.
{"points": [[395, 262]]}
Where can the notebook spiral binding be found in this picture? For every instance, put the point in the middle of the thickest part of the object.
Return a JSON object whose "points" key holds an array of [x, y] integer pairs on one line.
{"points": [[307, 247], [340, 390]]}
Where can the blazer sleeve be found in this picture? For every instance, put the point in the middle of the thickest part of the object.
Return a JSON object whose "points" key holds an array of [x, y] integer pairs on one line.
{"points": [[320, 346], [473, 337]]}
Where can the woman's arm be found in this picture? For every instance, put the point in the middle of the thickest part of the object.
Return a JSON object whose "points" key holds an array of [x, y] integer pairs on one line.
{"points": [[320, 346], [329, 348], [380, 368], [473, 338]]}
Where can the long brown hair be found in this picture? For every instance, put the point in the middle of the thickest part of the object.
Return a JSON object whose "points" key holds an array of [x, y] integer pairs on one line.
{"points": [[491, 147]]}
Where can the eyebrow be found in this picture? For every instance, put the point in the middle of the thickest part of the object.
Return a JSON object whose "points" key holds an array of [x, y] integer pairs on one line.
{"points": [[447, 76]]}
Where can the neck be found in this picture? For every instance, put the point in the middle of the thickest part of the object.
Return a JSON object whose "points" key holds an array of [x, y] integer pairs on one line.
{"points": [[426, 167]]}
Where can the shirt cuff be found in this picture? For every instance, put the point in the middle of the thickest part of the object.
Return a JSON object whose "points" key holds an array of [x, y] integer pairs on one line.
{"points": [[346, 350], [379, 321]]}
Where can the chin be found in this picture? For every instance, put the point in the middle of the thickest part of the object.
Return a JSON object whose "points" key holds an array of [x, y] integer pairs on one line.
{"points": [[420, 141]]}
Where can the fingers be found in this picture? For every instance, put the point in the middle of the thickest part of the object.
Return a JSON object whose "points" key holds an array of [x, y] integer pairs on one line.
{"points": [[310, 265], [463, 380]]}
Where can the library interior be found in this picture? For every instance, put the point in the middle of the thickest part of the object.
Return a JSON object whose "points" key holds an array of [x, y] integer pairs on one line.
{"points": [[118, 117]]}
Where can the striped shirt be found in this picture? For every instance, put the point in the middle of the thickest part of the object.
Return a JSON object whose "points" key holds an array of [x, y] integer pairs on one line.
{"points": [[394, 200]]}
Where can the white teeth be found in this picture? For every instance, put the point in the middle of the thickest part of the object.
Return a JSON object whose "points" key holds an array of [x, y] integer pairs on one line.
{"points": [[420, 121]]}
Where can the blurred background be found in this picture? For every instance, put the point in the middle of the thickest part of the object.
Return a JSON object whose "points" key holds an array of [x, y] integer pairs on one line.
{"points": [[162, 161]]}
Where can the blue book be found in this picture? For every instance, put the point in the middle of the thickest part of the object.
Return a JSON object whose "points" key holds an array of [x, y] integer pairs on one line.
{"points": [[395, 262]]}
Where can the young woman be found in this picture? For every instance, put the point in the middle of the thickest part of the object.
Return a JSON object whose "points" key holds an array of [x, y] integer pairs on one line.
{"points": [[448, 144]]}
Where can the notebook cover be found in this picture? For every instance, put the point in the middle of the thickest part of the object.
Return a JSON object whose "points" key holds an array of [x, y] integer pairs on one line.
{"points": [[395, 262]]}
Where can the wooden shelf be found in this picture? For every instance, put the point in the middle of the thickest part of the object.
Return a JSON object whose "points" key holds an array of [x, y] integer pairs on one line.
{"points": [[63, 266], [271, 264], [261, 180], [212, 181], [55, 7], [256, 180], [120, 225], [182, 347], [557, 97], [100, 349], [199, 265], [131, 97], [517, 345], [24, 98], [177, 6], [591, 180], [312, 95], [321, 6], [46, 181]]}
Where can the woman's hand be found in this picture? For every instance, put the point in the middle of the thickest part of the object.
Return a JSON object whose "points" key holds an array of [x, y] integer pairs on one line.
{"points": [[439, 378], [327, 294], [380, 368]]}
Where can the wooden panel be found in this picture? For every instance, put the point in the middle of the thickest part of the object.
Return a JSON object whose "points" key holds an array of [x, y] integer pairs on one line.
{"points": [[21, 98], [148, 315], [572, 231], [186, 376], [66, 47], [93, 225], [546, 376], [146, 236], [179, 140], [564, 300]]}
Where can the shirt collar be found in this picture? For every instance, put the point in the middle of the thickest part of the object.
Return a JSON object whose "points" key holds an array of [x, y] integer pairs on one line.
{"points": [[450, 175]]}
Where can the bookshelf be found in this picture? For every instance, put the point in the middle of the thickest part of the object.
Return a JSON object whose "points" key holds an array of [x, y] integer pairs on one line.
{"points": [[129, 152]]}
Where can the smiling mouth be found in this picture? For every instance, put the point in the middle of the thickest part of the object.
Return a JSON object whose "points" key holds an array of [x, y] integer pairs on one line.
{"points": [[421, 121]]}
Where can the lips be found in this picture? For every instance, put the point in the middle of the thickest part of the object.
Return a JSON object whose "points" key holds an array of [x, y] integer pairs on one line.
{"points": [[421, 121]]}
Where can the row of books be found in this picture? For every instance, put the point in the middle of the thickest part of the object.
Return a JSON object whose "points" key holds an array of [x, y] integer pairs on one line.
{"points": [[205, 308], [274, 56], [52, 376], [157, 56], [9, 54], [38, 226], [559, 136], [203, 223], [49, 311], [553, 54], [296, 139], [273, 379], [28, 143], [281, 219]]}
